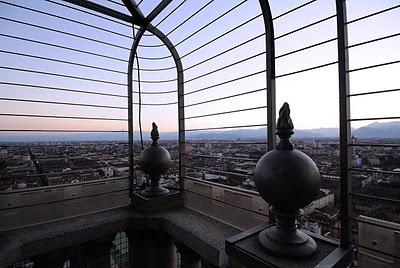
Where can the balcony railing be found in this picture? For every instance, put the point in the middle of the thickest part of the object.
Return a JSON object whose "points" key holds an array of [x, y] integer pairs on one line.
{"points": [[97, 71]]}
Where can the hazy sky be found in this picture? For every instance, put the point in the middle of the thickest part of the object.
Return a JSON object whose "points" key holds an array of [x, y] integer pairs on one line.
{"points": [[313, 95]]}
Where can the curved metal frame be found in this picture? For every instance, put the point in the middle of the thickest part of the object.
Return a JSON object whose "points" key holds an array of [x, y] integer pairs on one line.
{"points": [[270, 62], [132, 54], [181, 100], [138, 19], [181, 103]]}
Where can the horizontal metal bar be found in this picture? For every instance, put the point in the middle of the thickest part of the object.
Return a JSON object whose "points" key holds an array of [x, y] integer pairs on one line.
{"points": [[147, 45], [66, 19], [227, 112], [373, 92], [376, 198], [47, 174], [227, 127], [376, 250], [63, 130], [220, 36], [374, 118], [221, 201], [155, 58], [104, 10], [156, 69], [150, 46], [307, 69], [62, 75], [374, 40], [156, 92], [376, 171], [120, 22], [64, 103], [374, 224], [115, 2], [169, 14], [375, 144], [67, 143], [62, 61], [294, 9], [210, 23], [62, 117], [305, 48], [227, 142], [64, 33], [155, 81], [189, 18], [62, 47], [224, 186], [225, 51], [64, 199], [102, 18], [225, 66], [157, 10], [218, 171], [225, 82], [76, 172], [374, 66], [222, 157], [62, 89], [156, 104], [226, 97], [305, 27], [373, 14]]}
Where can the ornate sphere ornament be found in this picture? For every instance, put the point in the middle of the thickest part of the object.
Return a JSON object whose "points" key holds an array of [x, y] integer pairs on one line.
{"points": [[288, 180], [155, 161]]}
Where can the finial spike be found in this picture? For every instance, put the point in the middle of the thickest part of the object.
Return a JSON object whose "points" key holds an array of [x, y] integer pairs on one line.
{"points": [[284, 128], [155, 136]]}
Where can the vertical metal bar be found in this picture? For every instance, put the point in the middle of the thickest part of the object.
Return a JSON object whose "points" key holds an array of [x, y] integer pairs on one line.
{"points": [[345, 128], [181, 126], [270, 57], [130, 108], [271, 95], [181, 101]]}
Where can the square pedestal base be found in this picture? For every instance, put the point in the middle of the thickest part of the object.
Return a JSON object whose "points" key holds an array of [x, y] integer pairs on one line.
{"points": [[244, 250], [155, 204]]}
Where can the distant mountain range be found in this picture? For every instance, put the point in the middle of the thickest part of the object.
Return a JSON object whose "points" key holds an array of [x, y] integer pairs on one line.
{"points": [[374, 130]]}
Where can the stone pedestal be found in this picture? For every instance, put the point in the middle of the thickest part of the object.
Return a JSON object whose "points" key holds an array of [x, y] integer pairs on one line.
{"points": [[150, 249], [155, 204], [245, 250]]}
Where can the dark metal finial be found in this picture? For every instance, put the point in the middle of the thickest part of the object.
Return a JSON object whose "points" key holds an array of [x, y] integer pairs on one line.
{"points": [[155, 136], [284, 128]]}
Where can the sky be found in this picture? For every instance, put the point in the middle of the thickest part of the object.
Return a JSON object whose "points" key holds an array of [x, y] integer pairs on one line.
{"points": [[312, 96]]}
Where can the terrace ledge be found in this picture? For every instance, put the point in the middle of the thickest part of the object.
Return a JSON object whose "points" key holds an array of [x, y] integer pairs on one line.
{"points": [[202, 234]]}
